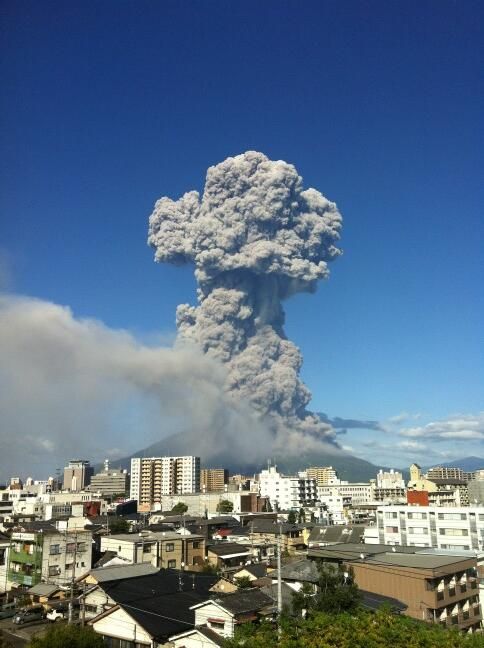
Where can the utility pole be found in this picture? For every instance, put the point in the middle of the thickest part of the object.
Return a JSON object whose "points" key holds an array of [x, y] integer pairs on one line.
{"points": [[279, 581], [83, 604], [71, 598]]}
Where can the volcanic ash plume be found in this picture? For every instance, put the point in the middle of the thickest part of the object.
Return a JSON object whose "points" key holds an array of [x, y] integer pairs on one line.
{"points": [[255, 238]]}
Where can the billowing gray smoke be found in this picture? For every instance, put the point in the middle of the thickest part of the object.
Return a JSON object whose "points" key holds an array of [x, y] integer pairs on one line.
{"points": [[255, 238]]}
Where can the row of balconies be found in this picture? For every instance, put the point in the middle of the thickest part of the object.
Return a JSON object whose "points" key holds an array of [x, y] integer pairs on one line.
{"points": [[463, 618]]}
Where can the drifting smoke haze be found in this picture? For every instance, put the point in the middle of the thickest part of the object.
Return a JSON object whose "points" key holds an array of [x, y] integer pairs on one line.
{"points": [[255, 238], [74, 387]]}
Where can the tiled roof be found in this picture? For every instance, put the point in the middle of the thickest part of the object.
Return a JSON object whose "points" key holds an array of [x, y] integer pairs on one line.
{"points": [[243, 601], [302, 570], [227, 548], [161, 602]]}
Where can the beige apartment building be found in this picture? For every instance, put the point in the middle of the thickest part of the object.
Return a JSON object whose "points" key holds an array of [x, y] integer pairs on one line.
{"points": [[213, 480], [323, 475]]}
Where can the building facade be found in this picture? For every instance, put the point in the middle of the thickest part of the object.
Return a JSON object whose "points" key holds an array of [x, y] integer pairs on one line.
{"points": [[77, 475], [456, 528], [323, 475], [167, 550], [435, 588], [153, 477], [286, 493], [110, 482], [213, 480], [47, 555]]}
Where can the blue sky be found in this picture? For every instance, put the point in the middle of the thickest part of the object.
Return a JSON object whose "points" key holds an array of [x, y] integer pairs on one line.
{"points": [[108, 105]]}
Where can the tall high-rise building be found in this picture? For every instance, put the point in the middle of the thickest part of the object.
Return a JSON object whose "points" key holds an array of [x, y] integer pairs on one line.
{"points": [[77, 475], [213, 479], [153, 477]]}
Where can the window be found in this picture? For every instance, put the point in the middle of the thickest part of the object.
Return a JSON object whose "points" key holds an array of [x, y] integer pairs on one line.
{"points": [[54, 550], [452, 516], [54, 570], [416, 515], [172, 564], [69, 566], [169, 546], [70, 547], [391, 529], [196, 545], [419, 530], [146, 548], [454, 532], [391, 515], [216, 623]]}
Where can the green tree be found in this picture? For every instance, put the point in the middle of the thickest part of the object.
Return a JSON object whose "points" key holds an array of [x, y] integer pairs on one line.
{"points": [[291, 518], [225, 506], [68, 636], [351, 630], [180, 508], [302, 516], [337, 591], [243, 582], [118, 525]]}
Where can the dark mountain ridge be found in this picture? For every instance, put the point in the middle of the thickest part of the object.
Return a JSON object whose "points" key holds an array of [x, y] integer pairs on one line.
{"points": [[348, 467]]}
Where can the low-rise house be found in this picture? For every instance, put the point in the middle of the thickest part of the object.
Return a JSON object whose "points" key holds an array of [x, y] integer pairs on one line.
{"points": [[252, 572], [44, 592], [224, 586], [198, 637], [117, 572], [224, 613], [297, 573], [228, 555], [148, 610], [167, 550]]}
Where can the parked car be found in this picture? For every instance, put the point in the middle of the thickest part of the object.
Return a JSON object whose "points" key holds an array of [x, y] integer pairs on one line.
{"points": [[8, 610], [56, 614], [36, 613]]}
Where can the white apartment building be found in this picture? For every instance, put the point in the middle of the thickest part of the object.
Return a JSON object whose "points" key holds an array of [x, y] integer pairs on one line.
{"points": [[334, 504], [455, 528], [354, 494], [287, 493], [153, 477]]}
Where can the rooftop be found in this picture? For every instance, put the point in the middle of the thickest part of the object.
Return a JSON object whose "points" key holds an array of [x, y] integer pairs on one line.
{"points": [[243, 601], [228, 549], [122, 572], [416, 560], [152, 600]]}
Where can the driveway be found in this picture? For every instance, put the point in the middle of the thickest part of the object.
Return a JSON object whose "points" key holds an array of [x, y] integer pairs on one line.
{"points": [[20, 636]]}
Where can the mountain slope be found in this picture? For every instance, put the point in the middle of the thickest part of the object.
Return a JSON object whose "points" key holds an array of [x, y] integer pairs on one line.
{"points": [[348, 467], [468, 464]]}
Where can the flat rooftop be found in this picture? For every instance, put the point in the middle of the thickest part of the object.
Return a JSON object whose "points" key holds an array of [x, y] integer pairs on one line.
{"points": [[416, 560]]}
